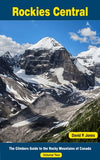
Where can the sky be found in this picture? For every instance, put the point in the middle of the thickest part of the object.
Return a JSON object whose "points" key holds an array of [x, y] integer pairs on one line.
{"points": [[75, 36]]}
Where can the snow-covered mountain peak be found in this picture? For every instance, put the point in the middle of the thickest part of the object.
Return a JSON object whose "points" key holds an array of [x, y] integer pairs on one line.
{"points": [[46, 43], [90, 57], [93, 51]]}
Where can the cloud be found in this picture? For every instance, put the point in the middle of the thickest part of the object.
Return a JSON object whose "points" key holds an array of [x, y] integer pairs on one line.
{"points": [[86, 35], [87, 32], [75, 37], [95, 40], [7, 44]]}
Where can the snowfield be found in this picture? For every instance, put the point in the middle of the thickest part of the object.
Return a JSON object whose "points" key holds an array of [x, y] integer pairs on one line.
{"points": [[81, 68], [59, 73], [26, 122], [23, 106], [42, 79], [18, 96], [61, 124]]}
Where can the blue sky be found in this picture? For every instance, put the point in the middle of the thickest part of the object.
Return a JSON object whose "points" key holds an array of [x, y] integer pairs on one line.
{"points": [[75, 36]]}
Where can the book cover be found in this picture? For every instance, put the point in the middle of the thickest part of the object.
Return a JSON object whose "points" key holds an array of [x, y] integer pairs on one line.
{"points": [[49, 79]]}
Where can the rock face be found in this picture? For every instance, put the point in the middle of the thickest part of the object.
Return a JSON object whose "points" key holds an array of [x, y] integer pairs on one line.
{"points": [[8, 58], [2, 86], [5, 66], [97, 70], [41, 58]]}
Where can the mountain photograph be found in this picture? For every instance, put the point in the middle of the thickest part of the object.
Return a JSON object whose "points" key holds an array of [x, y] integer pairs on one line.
{"points": [[49, 80]]}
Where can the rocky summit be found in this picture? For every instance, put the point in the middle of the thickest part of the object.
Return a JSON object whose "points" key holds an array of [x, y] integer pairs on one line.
{"points": [[47, 55], [42, 89]]}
